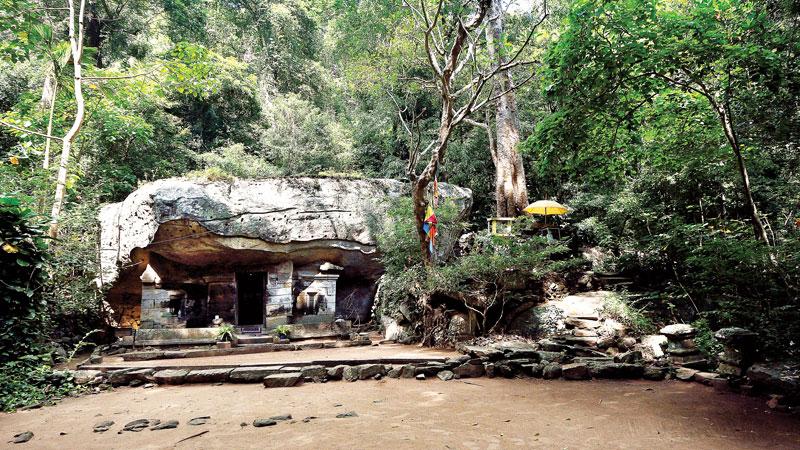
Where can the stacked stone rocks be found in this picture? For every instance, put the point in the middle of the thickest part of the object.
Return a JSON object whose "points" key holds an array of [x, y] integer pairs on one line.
{"points": [[739, 351], [590, 332], [681, 348]]}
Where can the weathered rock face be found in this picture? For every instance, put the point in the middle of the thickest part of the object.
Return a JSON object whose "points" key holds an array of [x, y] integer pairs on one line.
{"points": [[278, 215]]}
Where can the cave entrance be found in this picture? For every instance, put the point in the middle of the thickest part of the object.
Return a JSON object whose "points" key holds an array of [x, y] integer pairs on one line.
{"points": [[250, 298]]}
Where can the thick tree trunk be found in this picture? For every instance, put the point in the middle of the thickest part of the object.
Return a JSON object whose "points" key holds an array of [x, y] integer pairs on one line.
{"points": [[76, 47], [727, 125], [511, 192]]}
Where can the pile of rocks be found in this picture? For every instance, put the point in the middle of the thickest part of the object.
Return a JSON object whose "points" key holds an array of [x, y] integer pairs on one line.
{"points": [[739, 350], [681, 348], [577, 321]]}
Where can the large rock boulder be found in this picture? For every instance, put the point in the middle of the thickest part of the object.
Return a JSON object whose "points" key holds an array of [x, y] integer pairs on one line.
{"points": [[329, 217]]}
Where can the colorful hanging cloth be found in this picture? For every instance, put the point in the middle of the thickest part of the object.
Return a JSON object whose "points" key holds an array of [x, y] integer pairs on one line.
{"points": [[429, 227]]}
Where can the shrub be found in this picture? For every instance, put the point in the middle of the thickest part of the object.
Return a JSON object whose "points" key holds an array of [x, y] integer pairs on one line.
{"points": [[30, 380], [23, 264], [495, 277], [620, 307]]}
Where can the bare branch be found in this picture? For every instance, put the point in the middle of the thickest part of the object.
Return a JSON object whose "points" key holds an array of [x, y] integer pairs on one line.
{"points": [[545, 13], [121, 77], [25, 130]]}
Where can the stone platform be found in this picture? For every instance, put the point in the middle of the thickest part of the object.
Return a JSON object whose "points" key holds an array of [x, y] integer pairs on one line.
{"points": [[384, 354]]}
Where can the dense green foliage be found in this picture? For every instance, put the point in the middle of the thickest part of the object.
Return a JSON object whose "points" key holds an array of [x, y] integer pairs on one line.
{"points": [[637, 147], [26, 375], [23, 259], [491, 277]]}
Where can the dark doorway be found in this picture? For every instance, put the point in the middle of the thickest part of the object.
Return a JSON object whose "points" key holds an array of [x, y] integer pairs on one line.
{"points": [[250, 307]]}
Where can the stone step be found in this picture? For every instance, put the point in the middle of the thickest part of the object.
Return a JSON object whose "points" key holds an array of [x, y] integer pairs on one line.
{"points": [[238, 350], [168, 342], [430, 360]]}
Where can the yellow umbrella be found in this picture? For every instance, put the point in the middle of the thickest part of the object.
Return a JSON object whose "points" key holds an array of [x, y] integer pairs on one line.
{"points": [[546, 208]]}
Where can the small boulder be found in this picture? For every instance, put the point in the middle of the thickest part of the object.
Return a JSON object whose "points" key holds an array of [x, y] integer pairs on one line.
{"points": [[202, 420], [102, 427], [490, 368], [445, 375], [119, 377], [139, 425], [170, 424], [685, 374], [85, 376], [705, 377], [616, 370], [430, 370], [408, 371], [366, 371], [553, 357], [576, 371], [551, 371], [350, 373], [420, 377], [630, 357], [457, 360], [336, 373], [654, 373], [258, 423], [283, 380], [346, 415], [469, 371], [653, 346], [627, 342], [23, 437]]}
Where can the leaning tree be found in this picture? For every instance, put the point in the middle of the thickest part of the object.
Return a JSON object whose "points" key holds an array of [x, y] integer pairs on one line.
{"points": [[465, 80]]}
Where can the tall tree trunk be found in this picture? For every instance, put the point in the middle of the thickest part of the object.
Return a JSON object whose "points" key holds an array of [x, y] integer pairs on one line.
{"points": [[76, 47], [727, 124], [511, 193], [420, 184], [53, 91]]}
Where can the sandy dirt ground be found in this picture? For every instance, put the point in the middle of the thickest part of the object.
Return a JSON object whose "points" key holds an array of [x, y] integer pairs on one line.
{"points": [[432, 414], [292, 357]]}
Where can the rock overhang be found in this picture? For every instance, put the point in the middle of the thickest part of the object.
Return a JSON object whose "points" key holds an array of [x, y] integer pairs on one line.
{"points": [[208, 223]]}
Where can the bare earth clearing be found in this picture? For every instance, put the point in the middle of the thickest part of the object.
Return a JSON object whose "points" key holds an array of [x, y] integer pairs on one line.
{"points": [[481, 413]]}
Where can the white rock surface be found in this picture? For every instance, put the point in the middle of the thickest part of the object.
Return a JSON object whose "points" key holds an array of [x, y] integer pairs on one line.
{"points": [[273, 215]]}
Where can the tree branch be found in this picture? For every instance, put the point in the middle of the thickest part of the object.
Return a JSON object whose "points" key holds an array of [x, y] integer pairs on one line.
{"points": [[25, 130]]}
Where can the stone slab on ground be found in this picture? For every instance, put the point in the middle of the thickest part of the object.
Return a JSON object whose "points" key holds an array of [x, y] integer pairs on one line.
{"points": [[170, 376], [85, 376], [208, 375], [283, 380], [252, 374]]}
